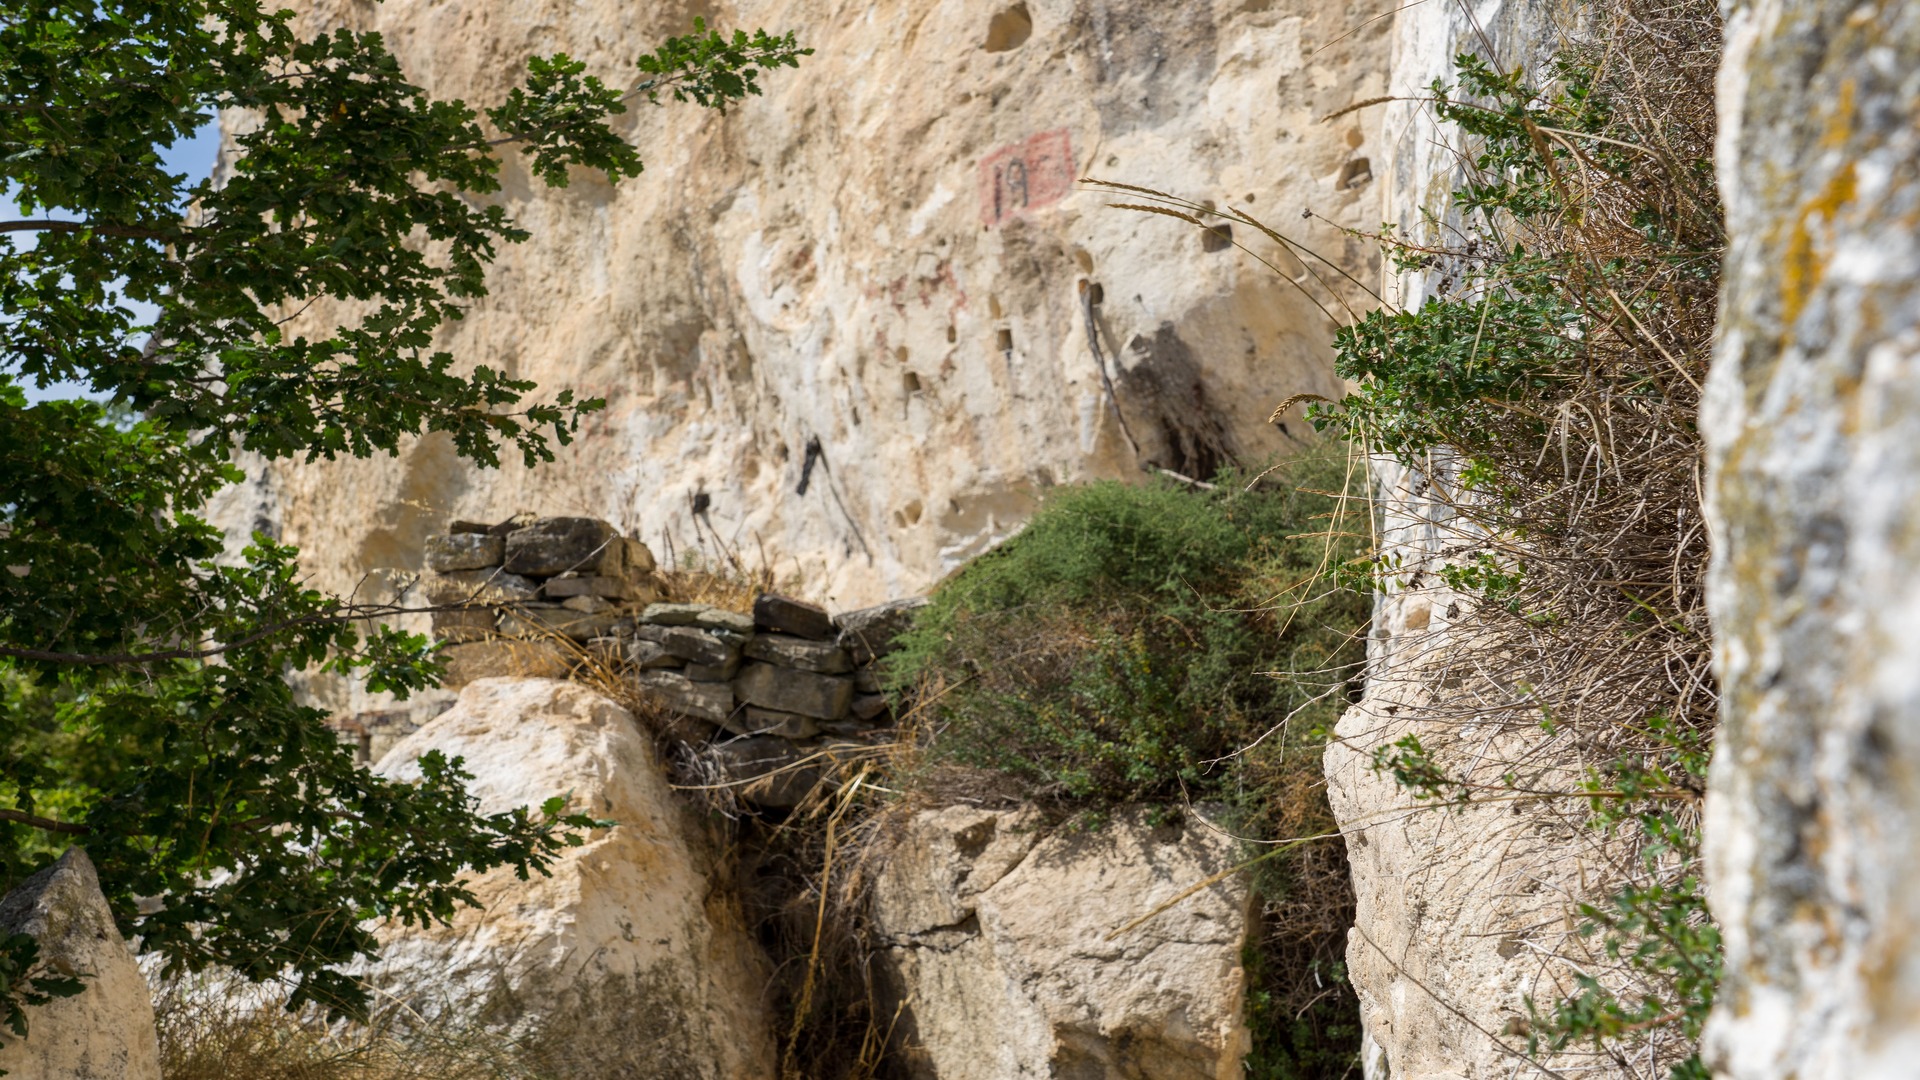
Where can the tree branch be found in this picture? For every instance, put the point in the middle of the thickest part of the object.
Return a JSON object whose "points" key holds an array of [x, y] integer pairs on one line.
{"points": [[46, 824], [350, 613], [84, 226]]}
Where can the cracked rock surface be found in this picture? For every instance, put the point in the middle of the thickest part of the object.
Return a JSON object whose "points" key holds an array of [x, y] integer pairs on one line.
{"points": [[1009, 942]]}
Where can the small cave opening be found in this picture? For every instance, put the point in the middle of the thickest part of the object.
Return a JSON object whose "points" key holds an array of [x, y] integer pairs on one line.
{"points": [[1216, 237], [1356, 173], [1009, 29]]}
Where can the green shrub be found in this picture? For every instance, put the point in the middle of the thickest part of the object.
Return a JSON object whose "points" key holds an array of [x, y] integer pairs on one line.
{"points": [[1134, 636], [1133, 645]]}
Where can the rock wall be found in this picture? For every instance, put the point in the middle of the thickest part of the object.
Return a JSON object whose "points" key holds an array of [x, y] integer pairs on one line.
{"points": [[1813, 428], [854, 321]]}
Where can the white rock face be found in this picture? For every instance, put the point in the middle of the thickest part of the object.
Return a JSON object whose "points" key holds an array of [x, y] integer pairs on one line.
{"points": [[1002, 939], [1458, 913], [886, 254], [106, 1031], [1812, 423], [624, 928]]}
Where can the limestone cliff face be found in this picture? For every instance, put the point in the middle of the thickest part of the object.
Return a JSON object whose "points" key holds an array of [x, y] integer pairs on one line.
{"points": [[1458, 910], [1813, 427], [873, 281]]}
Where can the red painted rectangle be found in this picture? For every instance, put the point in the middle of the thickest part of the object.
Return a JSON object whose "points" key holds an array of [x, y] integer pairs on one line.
{"points": [[1025, 176]]}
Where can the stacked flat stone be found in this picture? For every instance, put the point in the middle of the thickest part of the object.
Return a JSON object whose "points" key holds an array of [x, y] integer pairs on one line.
{"points": [[773, 686], [527, 584]]}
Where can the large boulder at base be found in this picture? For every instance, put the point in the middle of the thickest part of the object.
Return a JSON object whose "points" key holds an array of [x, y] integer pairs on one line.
{"points": [[106, 1031], [1012, 949], [625, 944]]}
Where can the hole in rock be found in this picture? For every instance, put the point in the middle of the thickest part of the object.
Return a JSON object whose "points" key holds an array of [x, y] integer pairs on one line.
{"points": [[908, 514], [900, 353], [951, 335], [1004, 338], [1216, 237], [1355, 173], [910, 382], [1010, 29], [1083, 259], [1095, 294]]}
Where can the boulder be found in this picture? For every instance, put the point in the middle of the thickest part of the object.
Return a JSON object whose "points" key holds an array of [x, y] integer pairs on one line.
{"points": [[106, 1031], [782, 650], [869, 707], [785, 615], [463, 551], [823, 697], [486, 659], [704, 700], [1014, 951], [873, 632], [626, 942], [552, 546], [486, 586]]}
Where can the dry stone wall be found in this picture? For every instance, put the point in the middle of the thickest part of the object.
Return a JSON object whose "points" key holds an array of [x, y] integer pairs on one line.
{"points": [[756, 694]]}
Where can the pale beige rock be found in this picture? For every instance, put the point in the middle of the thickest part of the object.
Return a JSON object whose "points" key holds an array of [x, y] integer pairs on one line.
{"points": [[1460, 914], [629, 918], [1463, 913], [1812, 425], [825, 262], [1002, 941], [106, 1031]]}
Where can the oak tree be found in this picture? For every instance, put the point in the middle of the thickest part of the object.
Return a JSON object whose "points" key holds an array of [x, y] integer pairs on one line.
{"points": [[145, 707]]}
